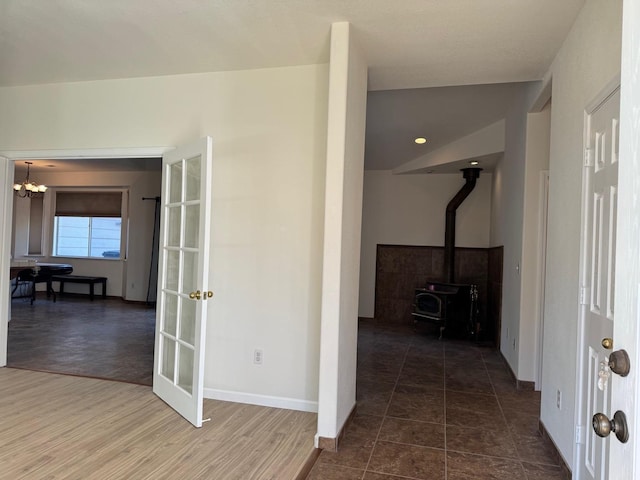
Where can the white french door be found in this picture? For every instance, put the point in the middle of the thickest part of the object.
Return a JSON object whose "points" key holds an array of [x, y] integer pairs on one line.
{"points": [[183, 292]]}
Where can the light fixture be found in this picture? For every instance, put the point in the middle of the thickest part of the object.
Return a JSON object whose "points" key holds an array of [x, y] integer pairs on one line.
{"points": [[420, 140], [473, 162], [28, 188]]}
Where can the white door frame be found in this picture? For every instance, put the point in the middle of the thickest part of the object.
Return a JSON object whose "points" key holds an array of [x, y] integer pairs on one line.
{"points": [[543, 218], [6, 197]]}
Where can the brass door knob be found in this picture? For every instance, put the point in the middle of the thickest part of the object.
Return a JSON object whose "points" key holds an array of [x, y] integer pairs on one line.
{"points": [[207, 294], [607, 343], [618, 425], [195, 295]]}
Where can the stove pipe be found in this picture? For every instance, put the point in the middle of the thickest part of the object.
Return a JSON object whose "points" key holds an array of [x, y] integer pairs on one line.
{"points": [[470, 175]]}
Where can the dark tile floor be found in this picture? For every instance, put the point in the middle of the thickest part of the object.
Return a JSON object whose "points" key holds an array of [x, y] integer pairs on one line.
{"points": [[104, 338], [434, 409]]}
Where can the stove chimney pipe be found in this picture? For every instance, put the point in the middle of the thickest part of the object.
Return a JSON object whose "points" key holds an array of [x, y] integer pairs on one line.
{"points": [[470, 175]]}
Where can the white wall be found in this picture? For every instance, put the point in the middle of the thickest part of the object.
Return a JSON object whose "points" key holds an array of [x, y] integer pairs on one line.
{"points": [[410, 210], [125, 279], [506, 218], [342, 227], [537, 161], [269, 131], [588, 60]]}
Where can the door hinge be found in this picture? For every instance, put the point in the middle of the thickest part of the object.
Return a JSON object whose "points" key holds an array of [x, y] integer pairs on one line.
{"points": [[584, 295], [588, 157], [580, 435]]}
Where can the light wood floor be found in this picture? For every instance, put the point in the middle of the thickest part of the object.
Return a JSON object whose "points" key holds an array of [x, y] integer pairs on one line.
{"points": [[65, 427]]}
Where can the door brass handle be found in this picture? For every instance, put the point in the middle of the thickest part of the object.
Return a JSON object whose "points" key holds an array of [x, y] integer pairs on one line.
{"points": [[195, 295], [607, 343], [207, 294]]}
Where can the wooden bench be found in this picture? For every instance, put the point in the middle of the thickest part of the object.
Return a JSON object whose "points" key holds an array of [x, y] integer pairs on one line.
{"points": [[87, 280]]}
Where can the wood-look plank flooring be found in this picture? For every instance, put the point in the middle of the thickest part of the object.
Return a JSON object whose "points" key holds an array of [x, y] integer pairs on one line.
{"points": [[104, 338], [66, 427]]}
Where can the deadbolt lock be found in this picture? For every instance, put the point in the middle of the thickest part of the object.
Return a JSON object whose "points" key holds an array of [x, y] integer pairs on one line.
{"points": [[618, 425], [619, 362], [607, 343]]}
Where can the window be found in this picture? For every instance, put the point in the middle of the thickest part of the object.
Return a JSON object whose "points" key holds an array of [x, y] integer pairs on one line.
{"points": [[87, 237], [87, 224]]}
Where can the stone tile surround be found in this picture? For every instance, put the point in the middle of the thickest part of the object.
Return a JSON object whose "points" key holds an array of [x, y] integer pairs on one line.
{"points": [[400, 269]]}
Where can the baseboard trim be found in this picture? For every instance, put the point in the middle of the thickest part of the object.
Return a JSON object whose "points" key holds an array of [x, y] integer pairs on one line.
{"points": [[261, 400], [520, 384], [565, 470], [332, 444]]}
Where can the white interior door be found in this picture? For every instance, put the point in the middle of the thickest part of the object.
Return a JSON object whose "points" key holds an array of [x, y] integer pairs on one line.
{"points": [[625, 457], [182, 274], [598, 277]]}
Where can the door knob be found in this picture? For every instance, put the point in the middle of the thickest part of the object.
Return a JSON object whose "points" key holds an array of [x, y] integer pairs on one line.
{"points": [[207, 294], [618, 425], [607, 343], [619, 362], [195, 295]]}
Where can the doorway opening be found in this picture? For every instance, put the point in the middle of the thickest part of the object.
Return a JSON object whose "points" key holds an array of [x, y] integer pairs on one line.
{"points": [[112, 337]]}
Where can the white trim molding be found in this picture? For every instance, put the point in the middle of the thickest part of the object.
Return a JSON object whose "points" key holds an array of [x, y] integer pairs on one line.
{"points": [[261, 400], [66, 154]]}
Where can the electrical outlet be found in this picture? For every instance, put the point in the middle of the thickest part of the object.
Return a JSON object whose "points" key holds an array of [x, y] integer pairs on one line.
{"points": [[558, 399], [257, 356]]}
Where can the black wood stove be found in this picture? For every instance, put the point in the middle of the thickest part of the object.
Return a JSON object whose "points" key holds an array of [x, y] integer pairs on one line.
{"points": [[447, 305], [451, 305]]}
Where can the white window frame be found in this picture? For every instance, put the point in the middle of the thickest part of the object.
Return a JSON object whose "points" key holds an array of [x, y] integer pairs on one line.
{"points": [[50, 213]]}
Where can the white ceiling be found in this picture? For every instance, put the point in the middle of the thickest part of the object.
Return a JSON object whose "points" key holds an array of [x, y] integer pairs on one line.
{"points": [[410, 45], [396, 117]]}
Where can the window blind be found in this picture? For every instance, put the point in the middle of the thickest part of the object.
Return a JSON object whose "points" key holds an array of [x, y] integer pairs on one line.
{"points": [[88, 204]]}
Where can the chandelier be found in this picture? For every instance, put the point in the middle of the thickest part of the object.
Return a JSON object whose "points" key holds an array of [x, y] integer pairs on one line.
{"points": [[28, 188]]}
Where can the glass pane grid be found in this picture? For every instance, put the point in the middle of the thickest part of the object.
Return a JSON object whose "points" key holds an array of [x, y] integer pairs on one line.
{"points": [[181, 262]]}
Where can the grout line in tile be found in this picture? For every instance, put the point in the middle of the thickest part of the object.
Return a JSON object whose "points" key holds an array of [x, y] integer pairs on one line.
{"points": [[384, 415], [504, 418]]}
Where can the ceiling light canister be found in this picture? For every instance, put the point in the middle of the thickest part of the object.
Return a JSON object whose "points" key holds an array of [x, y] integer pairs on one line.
{"points": [[420, 140], [473, 162]]}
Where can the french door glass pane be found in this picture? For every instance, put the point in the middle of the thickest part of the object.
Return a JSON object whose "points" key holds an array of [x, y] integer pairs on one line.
{"points": [[173, 237], [175, 183], [185, 369], [170, 313], [193, 179], [191, 226], [172, 270], [188, 322], [189, 272], [168, 358]]}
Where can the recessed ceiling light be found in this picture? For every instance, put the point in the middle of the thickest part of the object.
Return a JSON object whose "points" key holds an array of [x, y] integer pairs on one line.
{"points": [[473, 162], [420, 140]]}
